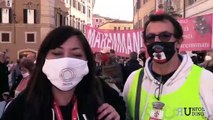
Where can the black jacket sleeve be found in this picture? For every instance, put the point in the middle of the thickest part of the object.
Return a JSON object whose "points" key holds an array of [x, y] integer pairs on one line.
{"points": [[15, 109], [113, 98]]}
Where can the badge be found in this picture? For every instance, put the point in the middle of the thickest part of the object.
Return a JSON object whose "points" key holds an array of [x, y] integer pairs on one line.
{"points": [[157, 111]]}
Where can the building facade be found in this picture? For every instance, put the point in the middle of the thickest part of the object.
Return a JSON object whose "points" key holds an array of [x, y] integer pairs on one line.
{"points": [[117, 25], [178, 8], [25, 23], [191, 8], [79, 13], [100, 20], [142, 9]]}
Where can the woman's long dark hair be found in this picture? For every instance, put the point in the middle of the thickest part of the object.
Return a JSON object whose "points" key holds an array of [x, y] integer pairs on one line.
{"points": [[39, 88]]}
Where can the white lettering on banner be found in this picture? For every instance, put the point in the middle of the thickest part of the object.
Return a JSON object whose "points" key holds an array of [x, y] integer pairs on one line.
{"points": [[91, 36], [114, 44], [137, 40], [103, 41], [126, 41], [118, 37], [108, 41], [129, 43], [183, 21], [187, 36], [195, 45], [121, 42], [98, 39]]}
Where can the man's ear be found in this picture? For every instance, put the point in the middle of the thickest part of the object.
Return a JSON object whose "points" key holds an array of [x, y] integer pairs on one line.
{"points": [[179, 42]]}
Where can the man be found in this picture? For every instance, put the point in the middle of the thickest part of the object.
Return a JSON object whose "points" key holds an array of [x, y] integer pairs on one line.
{"points": [[131, 65], [4, 85], [172, 87], [112, 70]]}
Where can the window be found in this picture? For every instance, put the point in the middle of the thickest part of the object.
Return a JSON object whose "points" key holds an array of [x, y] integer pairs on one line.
{"points": [[74, 22], [5, 15], [29, 16], [89, 12], [79, 25], [79, 6], [115, 28], [124, 28], [145, 18], [191, 2], [96, 20], [83, 28], [5, 37], [30, 37], [57, 19], [129, 28], [70, 20], [145, 1], [66, 19], [119, 28], [74, 3], [84, 9], [60, 20], [138, 4]]}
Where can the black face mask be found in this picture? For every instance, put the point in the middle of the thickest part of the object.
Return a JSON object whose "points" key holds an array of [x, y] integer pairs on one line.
{"points": [[161, 52]]}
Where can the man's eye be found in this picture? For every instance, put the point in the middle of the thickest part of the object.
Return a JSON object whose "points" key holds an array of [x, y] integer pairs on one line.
{"points": [[78, 55]]}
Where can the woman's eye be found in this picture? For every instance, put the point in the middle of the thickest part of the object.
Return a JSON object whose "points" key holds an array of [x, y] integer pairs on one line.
{"points": [[56, 53]]}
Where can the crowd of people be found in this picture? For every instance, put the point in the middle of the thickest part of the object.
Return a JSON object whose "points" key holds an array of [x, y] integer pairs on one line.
{"points": [[68, 81]]}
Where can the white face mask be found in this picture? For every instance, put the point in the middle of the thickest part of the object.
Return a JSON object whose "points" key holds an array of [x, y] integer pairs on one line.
{"points": [[65, 73], [208, 58], [26, 74]]}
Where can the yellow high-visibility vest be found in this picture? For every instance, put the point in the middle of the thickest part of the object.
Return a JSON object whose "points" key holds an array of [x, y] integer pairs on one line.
{"points": [[183, 104]]}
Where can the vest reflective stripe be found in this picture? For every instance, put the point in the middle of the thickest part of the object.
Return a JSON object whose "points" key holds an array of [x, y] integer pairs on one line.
{"points": [[183, 104], [132, 94]]}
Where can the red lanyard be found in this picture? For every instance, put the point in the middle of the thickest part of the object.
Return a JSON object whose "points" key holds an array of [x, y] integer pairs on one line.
{"points": [[74, 111]]}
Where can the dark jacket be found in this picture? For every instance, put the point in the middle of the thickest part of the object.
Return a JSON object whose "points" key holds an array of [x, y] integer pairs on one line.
{"points": [[130, 66], [4, 86], [18, 109], [114, 72]]}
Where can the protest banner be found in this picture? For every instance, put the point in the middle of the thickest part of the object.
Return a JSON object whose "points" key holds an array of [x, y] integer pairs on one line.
{"points": [[197, 36]]}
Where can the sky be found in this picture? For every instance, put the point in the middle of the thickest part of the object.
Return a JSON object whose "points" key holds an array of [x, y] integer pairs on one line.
{"points": [[118, 9]]}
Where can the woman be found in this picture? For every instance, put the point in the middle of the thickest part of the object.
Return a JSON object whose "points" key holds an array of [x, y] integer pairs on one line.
{"points": [[63, 85], [26, 66]]}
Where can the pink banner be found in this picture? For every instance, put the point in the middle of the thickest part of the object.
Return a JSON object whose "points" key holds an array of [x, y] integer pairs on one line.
{"points": [[122, 41], [197, 36], [197, 33]]}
